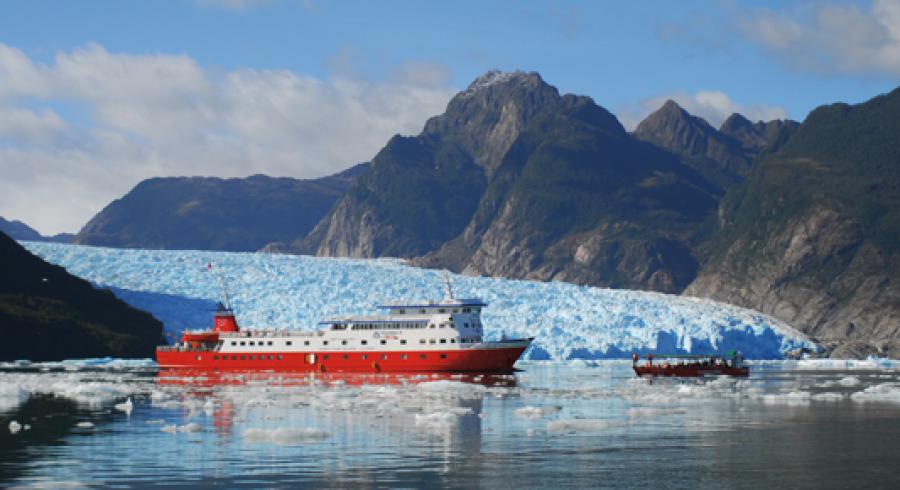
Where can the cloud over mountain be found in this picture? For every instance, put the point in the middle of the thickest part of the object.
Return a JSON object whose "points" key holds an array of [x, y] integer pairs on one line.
{"points": [[90, 124]]}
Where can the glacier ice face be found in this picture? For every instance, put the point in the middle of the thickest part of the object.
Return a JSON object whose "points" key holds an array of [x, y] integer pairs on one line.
{"points": [[285, 291]]}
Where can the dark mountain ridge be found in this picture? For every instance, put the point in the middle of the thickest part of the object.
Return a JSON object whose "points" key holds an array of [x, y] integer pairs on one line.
{"points": [[47, 314], [18, 230], [210, 213]]}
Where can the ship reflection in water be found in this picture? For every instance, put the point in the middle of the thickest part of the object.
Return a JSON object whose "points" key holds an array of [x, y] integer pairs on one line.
{"points": [[550, 424]]}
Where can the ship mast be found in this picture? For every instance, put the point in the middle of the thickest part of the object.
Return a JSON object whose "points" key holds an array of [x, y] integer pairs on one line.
{"points": [[448, 288]]}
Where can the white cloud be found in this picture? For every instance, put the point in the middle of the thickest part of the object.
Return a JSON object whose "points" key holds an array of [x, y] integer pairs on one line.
{"points": [[830, 38], [160, 115], [712, 105]]}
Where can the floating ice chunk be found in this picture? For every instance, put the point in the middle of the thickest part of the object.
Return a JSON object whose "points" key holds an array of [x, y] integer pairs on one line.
{"points": [[126, 406], [885, 392], [637, 413], [793, 398], [438, 420], [11, 396], [583, 425], [190, 427], [849, 381], [169, 429], [530, 412], [456, 389], [14, 427], [285, 435], [829, 396], [85, 425]]}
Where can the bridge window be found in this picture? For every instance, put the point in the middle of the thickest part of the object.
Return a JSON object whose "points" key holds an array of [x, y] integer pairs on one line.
{"points": [[343, 342], [233, 343], [402, 341], [243, 343], [305, 342], [421, 341], [269, 342], [443, 341], [363, 342], [288, 342], [324, 342], [452, 341], [383, 341]]}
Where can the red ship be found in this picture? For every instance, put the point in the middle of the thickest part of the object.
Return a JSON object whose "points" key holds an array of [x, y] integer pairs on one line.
{"points": [[419, 336], [687, 366]]}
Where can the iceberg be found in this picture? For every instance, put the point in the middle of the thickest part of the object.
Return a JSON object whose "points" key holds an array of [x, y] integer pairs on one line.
{"points": [[294, 292]]}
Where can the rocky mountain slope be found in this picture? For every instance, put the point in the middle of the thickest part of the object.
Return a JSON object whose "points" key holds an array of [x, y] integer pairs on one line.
{"points": [[48, 314], [517, 180], [17, 230], [813, 236], [216, 214], [724, 156]]}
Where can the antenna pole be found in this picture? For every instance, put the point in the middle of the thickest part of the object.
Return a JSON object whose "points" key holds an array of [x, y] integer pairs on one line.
{"points": [[448, 288]]}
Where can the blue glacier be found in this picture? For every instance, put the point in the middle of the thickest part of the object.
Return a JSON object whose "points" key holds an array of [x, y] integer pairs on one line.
{"points": [[287, 291]]}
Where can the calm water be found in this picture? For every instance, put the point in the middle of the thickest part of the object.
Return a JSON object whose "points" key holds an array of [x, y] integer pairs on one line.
{"points": [[550, 425]]}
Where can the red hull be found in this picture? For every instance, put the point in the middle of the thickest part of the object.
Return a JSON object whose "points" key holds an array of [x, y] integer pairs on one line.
{"points": [[483, 360], [690, 371]]}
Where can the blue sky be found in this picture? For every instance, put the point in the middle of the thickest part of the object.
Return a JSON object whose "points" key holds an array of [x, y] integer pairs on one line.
{"points": [[95, 96]]}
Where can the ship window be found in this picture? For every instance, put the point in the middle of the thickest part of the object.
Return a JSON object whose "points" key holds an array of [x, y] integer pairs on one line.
{"points": [[270, 358], [384, 357], [305, 342], [466, 325], [198, 357], [363, 342], [422, 310], [234, 358], [364, 357], [442, 310], [431, 326], [243, 343], [476, 310], [325, 357], [324, 342], [215, 358], [421, 341], [251, 343], [251, 358], [431, 341], [455, 310], [422, 356], [443, 356], [270, 342], [383, 341], [402, 312], [288, 342], [443, 341], [403, 356], [243, 358], [452, 341], [346, 357], [343, 342], [279, 357], [443, 325], [467, 310], [233, 343], [403, 341]]}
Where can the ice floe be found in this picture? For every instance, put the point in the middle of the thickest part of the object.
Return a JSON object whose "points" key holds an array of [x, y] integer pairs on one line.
{"points": [[285, 435]]}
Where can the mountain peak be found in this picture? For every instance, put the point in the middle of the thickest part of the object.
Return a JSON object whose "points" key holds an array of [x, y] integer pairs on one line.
{"points": [[497, 77], [734, 123]]}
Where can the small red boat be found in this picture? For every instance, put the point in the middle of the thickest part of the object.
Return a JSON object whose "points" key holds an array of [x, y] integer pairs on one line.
{"points": [[690, 366]]}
